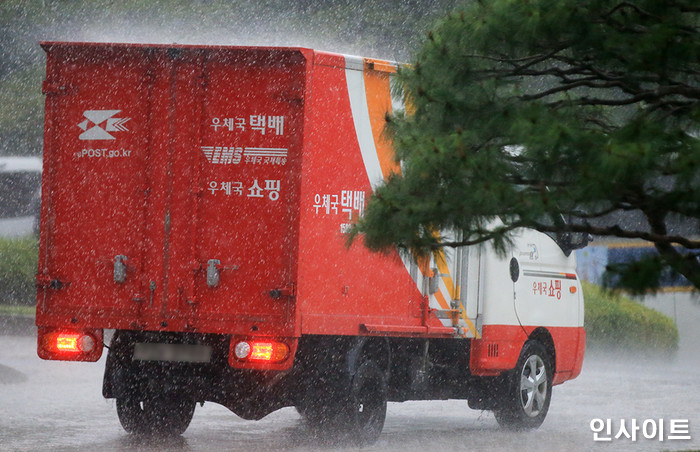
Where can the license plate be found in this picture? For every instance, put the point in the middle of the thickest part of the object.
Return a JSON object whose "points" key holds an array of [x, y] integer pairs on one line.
{"points": [[184, 353]]}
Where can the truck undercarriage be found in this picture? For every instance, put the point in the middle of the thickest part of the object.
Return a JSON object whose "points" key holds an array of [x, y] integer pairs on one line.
{"points": [[335, 380]]}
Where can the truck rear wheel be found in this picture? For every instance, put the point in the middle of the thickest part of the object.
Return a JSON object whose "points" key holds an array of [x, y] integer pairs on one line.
{"points": [[527, 390], [354, 412], [366, 409], [162, 415]]}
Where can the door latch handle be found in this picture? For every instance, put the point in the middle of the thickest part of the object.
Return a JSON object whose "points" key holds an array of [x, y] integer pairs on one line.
{"points": [[152, 287], [213, 272], [120, 268]]}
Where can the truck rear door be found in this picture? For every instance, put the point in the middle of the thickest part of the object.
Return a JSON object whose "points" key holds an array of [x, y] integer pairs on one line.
{"points": [[243, 235], [95, 187], [171, 185]]}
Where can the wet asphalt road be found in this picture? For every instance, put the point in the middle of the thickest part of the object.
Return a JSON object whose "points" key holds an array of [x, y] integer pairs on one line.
{"points": [[57, 406]]}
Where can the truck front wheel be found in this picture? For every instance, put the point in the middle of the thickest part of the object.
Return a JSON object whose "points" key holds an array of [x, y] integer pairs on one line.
{"points": [[527, 390], [162, 415]]}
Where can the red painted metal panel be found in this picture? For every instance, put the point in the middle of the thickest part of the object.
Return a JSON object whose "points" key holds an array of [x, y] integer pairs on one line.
{"points": [[249, 170], [94, 191], [205, 171], [342, 287], [569, 345], [390, 330], [509, 340], [164, 159]]}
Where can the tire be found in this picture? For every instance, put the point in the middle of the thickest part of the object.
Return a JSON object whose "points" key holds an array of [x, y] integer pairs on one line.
{"points": [[366, 410], [527, 390], [351, 413], [156, 415]]}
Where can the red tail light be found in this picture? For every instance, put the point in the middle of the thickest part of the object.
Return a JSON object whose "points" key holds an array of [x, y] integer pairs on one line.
{"points": [[261, 351], [269, 351], [70, 345], [63, 342]]}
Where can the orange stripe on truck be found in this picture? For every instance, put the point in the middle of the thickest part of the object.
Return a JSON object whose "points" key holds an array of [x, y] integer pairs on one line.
{"points": [[378, 93]]}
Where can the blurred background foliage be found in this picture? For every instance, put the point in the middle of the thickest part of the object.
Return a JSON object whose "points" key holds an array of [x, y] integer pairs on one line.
{"points": [[378, 28], [18, 264], [614, 322]]}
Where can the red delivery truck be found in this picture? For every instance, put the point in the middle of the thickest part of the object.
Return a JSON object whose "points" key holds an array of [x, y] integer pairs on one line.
{"points": [[195, 200]]}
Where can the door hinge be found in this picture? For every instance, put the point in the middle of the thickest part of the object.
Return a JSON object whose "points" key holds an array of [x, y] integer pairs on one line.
{"points": [[283, 292], [47, 282]]}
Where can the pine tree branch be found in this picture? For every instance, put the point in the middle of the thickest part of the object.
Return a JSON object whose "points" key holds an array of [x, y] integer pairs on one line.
{"points": [[513, 61], [569, 86], [610, 231], [687, 266], [601, 213], [628, 5], [617, 231], [482, 237]]}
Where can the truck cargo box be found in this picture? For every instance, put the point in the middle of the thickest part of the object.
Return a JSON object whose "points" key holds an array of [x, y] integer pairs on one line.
{"points": [[207, 189]]}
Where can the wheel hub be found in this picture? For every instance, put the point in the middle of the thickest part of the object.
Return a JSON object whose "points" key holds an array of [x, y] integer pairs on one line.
{"points": [[533, 386]]}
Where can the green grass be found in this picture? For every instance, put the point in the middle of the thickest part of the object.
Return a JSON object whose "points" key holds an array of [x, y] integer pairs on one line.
{"points": [[24, 311], [615, 322], [18, 266]]}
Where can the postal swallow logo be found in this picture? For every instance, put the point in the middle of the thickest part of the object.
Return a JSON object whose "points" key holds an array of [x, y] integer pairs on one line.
{"points": [[99, 123]]}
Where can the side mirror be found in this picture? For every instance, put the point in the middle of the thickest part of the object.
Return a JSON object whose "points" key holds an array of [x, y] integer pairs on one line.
{"points": [[569, 241], [580, 240]]}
